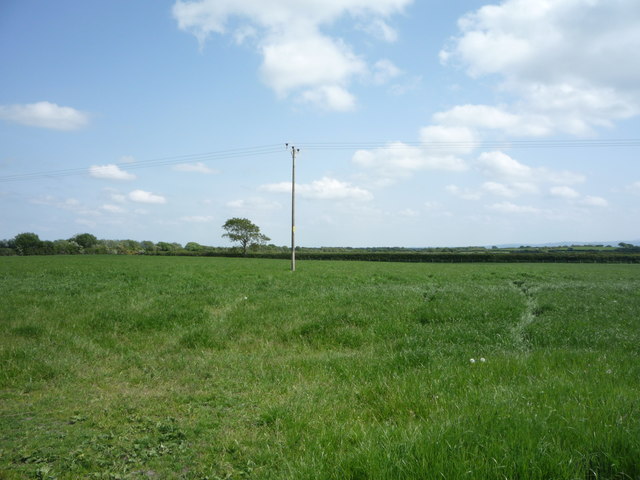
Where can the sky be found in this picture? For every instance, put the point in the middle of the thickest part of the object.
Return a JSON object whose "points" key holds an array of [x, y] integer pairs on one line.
{"points": [[420, 123]]}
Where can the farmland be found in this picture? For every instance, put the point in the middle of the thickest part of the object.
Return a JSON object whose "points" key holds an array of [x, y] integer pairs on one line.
{"points": [[184, 367]]}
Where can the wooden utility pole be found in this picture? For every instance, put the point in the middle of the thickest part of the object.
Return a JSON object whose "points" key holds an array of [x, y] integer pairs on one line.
{"points": [[294, 150]]}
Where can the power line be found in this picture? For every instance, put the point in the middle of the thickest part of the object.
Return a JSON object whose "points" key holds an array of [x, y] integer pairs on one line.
{"points": [[157, 162], [595, 143], [245, 152]]}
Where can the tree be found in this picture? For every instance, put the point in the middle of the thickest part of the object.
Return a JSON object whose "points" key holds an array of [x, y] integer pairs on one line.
{"points": [[193, 247], [85, 240], [168, 247], [244, 232], [66, 247], [27, 243], [148, 246]]}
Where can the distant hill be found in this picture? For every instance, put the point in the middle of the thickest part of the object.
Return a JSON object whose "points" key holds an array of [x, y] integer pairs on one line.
{"points": [[613, 243]]}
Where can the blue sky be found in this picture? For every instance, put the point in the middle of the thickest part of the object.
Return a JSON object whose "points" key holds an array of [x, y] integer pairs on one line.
{"points": [[420, 123]]}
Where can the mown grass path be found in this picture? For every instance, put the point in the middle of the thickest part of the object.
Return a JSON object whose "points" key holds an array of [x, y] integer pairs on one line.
{"points": [[138, 367]]}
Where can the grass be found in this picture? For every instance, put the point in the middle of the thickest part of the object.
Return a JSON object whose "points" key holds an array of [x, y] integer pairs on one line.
{"points": [[123, 367]]}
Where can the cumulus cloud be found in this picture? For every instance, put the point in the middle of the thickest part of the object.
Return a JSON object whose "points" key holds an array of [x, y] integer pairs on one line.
{"points": [[563, 191], [297, 57], [591, 201], [112, 208], [447, 139], [499, 165], [110, 172], [324, 189], [464, 193], [380, 29], [45, 115], [507, 177], [397, 160], [330, 97], [197, 167], [477, 116], [142, 196], [499, 189], [487, 117], [568, 62]]}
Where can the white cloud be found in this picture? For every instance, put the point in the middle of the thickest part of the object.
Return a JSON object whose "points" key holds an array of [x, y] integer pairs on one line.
{"points": [[298, 58], [482, 116], [499, 165], [70, 204], [330, 98], [141, 196], [508, 207], [464, 193], [398, 160], [198, 219], [564, 192], [384, 71], [499, 189], [324, 189], [594, 201], [255, 203], [380, 30], [568, 61], [110, 172], [113, 208], [443, 139], [197, 167], [45, 115], [307, 59]]}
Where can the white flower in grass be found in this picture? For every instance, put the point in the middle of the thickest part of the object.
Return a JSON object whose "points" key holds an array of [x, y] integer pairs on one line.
{"points": [[472, 360], [482, 359]]}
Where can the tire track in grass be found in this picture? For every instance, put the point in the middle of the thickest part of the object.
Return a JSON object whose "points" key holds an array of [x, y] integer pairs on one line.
{"points": [[518, 332]]}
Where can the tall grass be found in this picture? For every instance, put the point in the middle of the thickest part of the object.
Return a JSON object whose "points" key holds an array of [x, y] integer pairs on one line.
{"points": [[137, 367]]}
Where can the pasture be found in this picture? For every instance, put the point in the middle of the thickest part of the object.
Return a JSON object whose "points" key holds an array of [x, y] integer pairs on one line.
{"points": [[133, 367]]}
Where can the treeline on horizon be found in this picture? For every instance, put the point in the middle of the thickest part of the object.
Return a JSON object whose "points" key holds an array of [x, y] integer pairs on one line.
{"points": [[88, 244]]}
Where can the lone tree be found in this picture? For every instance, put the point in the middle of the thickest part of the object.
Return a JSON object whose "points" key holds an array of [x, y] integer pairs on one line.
{"points": [[244, 232]]}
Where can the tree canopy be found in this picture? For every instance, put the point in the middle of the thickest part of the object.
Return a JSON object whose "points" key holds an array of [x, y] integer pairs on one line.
{"points": [[85, 240], [244, 232]]}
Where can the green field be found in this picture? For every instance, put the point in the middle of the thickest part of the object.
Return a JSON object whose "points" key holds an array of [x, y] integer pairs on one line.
{"points": [[140, 367]]}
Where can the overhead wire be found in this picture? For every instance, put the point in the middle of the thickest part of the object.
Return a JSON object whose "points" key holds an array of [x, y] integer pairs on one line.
{"points": [[156, 162], [589, 143], [245, 152]]}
